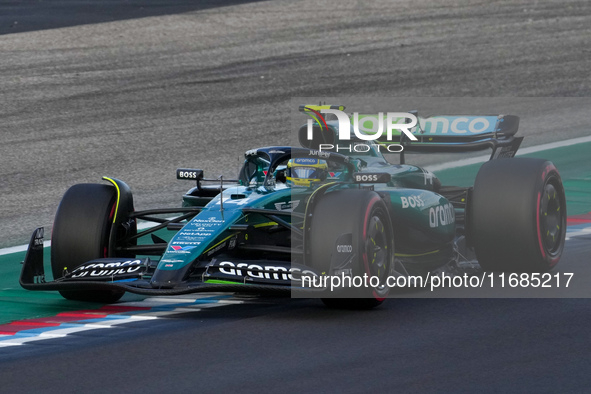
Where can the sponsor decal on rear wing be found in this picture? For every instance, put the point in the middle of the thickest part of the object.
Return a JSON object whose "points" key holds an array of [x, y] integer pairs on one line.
{"points": [[445, 125], [407, 131]]}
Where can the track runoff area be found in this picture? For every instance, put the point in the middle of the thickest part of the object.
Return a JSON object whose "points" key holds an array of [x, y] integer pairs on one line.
{"points": [[33, 316]]}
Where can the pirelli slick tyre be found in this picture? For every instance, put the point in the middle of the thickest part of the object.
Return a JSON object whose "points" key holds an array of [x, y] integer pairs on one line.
{"points": [[81, 233], [356, 224], [517, 215]]}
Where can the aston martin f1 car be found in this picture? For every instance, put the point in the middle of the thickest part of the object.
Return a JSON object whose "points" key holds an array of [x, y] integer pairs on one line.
{"points": [[300, 213]]}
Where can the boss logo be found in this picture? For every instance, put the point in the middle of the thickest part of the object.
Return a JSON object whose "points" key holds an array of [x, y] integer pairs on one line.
{"points": [[186, 173], [379, 177], [412, 201], [366, 178]]}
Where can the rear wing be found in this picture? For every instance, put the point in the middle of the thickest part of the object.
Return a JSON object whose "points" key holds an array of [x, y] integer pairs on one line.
{"points": [[461, 133], [453, 133], [435, 134]]}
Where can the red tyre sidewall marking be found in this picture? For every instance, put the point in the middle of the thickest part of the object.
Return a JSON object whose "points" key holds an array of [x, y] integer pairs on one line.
{"points": [[540, 242], [365, 259], [554, 260]]}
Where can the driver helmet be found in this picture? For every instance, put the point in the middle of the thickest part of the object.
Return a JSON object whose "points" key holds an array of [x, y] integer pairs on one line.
{"points": [[305, 171]]}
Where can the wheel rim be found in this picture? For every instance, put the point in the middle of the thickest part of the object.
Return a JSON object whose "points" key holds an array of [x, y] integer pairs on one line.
{"points": [[552, 218], [376, 248]]}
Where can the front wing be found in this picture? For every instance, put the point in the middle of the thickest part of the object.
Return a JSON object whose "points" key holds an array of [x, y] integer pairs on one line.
{"points": [[116, 278]]}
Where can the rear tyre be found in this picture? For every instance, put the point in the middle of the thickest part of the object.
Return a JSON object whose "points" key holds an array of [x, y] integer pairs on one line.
{"points": [[518, 215], [364, 215], [81, 233]]}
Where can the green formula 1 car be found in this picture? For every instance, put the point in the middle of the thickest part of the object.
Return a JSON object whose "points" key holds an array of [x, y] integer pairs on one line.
{"points": [[297, 214]]}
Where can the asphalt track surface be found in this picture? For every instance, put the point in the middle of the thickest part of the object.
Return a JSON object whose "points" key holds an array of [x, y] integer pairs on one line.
{"points": [[135, 97]]}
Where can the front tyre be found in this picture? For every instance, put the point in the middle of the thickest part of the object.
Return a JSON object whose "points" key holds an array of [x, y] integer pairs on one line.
{"points": [[518, 215], [81, 233], [361, 218]]}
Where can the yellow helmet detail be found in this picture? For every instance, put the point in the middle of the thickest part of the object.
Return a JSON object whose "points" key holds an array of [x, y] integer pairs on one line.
{"points": [[305, 171]]}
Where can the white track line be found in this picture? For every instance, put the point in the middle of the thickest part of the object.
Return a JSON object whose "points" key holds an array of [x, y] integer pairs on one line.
{"points": [[524, 151], [23, 248], [578, 233], [21, 338], [178, 305]]}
